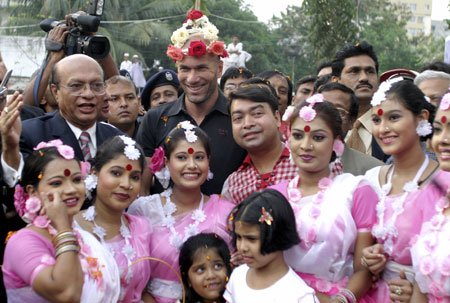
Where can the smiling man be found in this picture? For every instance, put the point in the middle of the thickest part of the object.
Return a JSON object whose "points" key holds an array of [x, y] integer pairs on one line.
{"points": [[78, 86], [197, 53], [123, 105], [356, 66], [255, 119]]}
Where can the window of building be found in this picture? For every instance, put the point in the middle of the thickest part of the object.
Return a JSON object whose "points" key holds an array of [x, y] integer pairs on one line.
{"points": [[427, 7], [419, 19], [412, 19], [412, 31], [412, 6]]}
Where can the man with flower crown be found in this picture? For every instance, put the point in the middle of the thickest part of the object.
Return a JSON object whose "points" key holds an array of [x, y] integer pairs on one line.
{"points": [[196, 51]]}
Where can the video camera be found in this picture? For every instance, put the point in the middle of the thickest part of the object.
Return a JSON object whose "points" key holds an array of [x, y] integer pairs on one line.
{"points": [[79, 40]]}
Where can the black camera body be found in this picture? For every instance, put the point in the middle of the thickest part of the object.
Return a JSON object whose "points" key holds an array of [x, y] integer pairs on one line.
{"points": [[79, 40]]}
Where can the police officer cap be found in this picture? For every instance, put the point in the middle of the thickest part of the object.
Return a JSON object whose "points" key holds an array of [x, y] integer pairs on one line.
{"points": [[164, 77]]}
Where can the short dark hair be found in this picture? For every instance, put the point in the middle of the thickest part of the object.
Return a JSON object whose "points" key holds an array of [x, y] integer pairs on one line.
{"points": [[112, 148], [438, 66], [281, 234], [188, 252], [303, 80], [259, 80], [36, 163], [354, 106], [270, 73], [352, 50], [178, 133], [259, 94], [118, 78], [321, 81], [323, 65], [234, 72], [413, 99]]}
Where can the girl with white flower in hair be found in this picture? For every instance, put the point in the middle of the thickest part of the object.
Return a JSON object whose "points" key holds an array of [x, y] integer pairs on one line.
{"points": [[430, 253], [334, 212], [400, 116], [182, 210], [49, 260], [116, 177]]}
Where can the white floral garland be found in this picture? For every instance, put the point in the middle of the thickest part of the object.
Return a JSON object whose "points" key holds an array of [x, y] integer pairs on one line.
{"points": [[387, 231], [128, 251], [168, 221], [130, 151]]}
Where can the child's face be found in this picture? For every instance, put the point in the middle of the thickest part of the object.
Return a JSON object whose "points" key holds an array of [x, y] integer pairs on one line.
{"points": [[248, 243], [208, 274]]}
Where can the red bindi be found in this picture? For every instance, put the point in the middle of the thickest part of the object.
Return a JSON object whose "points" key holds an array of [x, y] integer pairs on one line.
{"points": [[307, 128], [443, 119], [67, 172], [190, 150], [380, 112], [129, 167]]}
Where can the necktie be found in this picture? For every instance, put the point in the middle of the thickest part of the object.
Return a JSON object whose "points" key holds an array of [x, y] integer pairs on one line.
{"points": [[84, 141], [355, 141]]}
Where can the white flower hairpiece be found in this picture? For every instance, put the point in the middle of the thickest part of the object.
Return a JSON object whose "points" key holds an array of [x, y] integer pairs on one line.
{"points": [[308, 113], [188, 127], [380, 94], [130, 151]]}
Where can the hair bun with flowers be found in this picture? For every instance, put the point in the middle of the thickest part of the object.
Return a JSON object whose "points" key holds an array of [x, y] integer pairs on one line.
{"points": [[204, 34]]}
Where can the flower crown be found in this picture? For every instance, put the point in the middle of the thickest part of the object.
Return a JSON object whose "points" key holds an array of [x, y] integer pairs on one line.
{"points": [[130, 151], [380, 94], [65, 151], [197, 26], [445, 102], [308, 113]]}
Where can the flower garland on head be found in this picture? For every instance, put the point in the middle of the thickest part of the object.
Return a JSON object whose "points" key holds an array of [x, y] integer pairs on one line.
{"points": [[130, 151], [196, 25]]}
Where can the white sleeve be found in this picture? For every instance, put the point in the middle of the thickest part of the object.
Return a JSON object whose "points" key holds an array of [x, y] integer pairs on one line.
{"points": [[225, 193], [10, 175]]}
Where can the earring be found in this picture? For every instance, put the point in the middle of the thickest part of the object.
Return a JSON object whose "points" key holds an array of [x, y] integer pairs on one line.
{"points": [[210, 175], [424, 128]]}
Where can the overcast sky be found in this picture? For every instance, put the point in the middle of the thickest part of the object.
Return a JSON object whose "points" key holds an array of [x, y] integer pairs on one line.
{"points": [[264, 9]]}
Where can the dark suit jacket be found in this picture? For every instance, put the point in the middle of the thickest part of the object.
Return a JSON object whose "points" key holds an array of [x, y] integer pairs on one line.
{"points": [[52, 126]]}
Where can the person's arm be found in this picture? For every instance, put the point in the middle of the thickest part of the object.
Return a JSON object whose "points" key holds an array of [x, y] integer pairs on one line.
{"points": [[62, 282], [109, 66], [58, 35], [418, 296], [11, 127]]}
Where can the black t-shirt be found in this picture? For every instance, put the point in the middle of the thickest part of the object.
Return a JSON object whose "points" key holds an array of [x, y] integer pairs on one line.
{"points": [[226, 155]]}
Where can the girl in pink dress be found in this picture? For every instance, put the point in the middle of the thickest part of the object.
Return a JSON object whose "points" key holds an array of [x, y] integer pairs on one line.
{"points": [[182, 210], [400, 116], [48, 261], [430, 254], [334, 213], [116, 176]]}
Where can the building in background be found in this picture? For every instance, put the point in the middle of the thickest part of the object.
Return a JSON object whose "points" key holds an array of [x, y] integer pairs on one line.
{"points": [[420, 20]]}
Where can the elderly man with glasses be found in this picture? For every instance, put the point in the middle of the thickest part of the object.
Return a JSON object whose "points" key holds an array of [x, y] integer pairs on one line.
{"points": [[77, 82]]}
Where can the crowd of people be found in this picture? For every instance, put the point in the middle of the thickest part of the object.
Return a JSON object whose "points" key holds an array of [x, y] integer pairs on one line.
{"points": [[244, 189]]}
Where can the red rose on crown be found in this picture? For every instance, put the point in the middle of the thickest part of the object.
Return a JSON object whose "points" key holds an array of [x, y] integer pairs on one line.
{"points": [[175, 53], [197, 48], [194, 14]]}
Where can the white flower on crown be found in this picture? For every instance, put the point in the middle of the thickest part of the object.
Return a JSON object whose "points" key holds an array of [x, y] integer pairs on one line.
{"points": [[127, 140], [210, 32], [180, 36], [131, 152], [190, 136], [380, 94]]}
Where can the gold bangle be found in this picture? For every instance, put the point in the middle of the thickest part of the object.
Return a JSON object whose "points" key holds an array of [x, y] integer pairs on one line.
{"points": [[67, 248], [63, 233]]}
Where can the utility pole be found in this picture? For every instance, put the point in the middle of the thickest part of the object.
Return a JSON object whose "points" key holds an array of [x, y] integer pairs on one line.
{"points": [[197, 4]]}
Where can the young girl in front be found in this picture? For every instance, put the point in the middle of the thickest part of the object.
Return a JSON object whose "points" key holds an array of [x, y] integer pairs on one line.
{"points": [[205, 268], [263, 226]]}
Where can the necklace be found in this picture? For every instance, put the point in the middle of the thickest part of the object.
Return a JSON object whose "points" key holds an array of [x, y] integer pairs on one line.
{"points": [[128, 251], [386, 230], [168, 221], [295, 195]]}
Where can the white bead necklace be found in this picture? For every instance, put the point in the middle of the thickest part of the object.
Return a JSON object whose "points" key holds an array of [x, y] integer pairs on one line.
{"points": [[168, 221], [386, 230]]}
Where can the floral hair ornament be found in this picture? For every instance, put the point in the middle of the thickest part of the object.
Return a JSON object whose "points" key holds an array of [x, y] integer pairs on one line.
{"points": [[338, 147], [307, 113], [266, 217], [65, 151], [130, 151], [445, 102], [197, 26], [288, 113], [380, 94], [424, 128], [158, 168], [29, 208], [189, 132]]}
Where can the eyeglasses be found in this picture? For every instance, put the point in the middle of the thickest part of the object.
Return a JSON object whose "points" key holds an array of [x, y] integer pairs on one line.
{"points": [[77, 89]]}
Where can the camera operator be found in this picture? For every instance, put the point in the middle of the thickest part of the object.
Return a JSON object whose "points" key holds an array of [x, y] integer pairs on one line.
{"points": [[55, 45]]}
